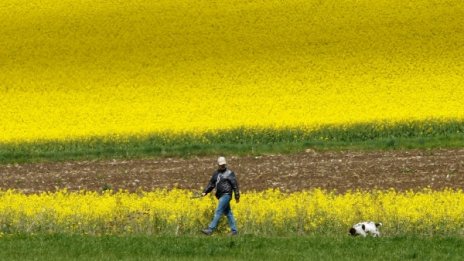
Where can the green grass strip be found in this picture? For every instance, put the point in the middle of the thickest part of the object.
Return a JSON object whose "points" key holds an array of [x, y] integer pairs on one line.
{"points": [[245, 141], [242, 247]]}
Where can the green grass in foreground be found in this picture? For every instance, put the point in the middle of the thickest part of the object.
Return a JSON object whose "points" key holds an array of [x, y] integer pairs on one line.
{"points": [[243, 247], [409, 135]]}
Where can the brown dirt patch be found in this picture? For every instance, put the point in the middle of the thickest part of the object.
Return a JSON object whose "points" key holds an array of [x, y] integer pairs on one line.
{"points": [[402, 170]]}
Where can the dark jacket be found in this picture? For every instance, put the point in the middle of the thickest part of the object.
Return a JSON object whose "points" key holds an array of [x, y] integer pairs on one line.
{"points": [[225, 182]]}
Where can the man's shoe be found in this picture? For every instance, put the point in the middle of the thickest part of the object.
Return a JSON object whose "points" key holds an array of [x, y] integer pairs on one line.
{"points": [[233, 233], [207, 231]]}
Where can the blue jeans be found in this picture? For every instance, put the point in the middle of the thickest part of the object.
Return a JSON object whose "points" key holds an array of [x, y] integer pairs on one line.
{"points": [[223, 208]]}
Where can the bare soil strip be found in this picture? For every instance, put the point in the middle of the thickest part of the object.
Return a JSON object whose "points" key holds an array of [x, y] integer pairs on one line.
{"points": [[340, 171]]}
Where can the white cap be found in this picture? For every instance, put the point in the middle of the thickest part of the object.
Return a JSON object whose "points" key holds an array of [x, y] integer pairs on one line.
{"points": [[222, 161]]}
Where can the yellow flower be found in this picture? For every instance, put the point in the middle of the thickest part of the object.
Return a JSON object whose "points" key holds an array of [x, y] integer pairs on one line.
{"points": [[270, 211], [80, 68]]}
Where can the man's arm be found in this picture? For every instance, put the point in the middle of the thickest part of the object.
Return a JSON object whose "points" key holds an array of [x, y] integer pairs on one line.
{"points": [[210, 186], [234, 183]]}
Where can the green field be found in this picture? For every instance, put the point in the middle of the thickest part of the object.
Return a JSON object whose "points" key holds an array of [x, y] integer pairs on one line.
{"points": [[243, 247], [407, 135]]}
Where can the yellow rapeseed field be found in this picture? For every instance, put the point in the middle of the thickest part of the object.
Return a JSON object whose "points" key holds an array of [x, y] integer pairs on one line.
{"points": [[80, 68], [269, 212]]}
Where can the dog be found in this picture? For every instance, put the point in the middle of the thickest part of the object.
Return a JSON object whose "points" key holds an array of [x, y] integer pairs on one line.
{"points": [[366, 228]]}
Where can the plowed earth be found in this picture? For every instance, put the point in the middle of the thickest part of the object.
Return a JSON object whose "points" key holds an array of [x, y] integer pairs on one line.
{"points": [[340, 171]]}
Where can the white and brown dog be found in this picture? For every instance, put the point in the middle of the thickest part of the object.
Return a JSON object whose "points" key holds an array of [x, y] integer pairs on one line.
{"points": [[366, 228]]}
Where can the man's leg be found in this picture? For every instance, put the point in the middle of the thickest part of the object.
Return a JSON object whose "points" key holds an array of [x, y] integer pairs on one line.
{"points": [[222, 205], [231, 219]]}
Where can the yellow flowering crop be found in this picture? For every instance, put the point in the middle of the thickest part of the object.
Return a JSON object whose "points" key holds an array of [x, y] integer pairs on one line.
{"points": [[80, 68], [268, 212]]}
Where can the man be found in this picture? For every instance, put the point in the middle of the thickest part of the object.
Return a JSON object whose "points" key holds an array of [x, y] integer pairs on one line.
{"points": [[225, 182]]}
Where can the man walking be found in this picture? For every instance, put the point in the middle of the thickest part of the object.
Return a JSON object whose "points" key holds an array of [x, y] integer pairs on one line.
{"points": [[225, 182]]}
